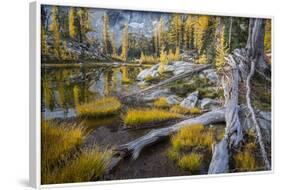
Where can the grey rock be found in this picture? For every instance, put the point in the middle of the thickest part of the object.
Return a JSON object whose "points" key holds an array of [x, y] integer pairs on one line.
{"points": [[173, 99], [212, 75], [208, 103], [157, 94], [152, 71], [190, 101]]}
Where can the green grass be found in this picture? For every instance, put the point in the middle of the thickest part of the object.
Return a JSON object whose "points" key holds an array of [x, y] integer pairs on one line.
{"points": [[144, 116], [99, 108], [161, 103]]}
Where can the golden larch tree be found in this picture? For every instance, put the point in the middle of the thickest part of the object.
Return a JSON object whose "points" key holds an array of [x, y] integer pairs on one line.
{"points": [[220, 45], [125, 43], [71, 20], [55, 32]]}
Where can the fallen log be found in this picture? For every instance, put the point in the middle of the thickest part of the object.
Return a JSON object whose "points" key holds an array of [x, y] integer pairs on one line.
{"points": [[134, 147], [172, 79]]}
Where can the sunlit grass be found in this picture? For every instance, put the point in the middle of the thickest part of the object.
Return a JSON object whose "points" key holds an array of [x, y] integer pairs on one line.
{"points": [[99, 108], [182, 110], [161, 103], [89, 165], [191, 162], [245, 159], [62, 157], [192, 136], [190, 147], [57, 141], [143, 116]]}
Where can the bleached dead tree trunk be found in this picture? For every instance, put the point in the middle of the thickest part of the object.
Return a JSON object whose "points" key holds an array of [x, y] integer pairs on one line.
{"points": [[242, 61]]}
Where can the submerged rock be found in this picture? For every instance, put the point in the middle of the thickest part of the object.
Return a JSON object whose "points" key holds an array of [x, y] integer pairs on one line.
{"points": [[191, 100], [208, 103]]}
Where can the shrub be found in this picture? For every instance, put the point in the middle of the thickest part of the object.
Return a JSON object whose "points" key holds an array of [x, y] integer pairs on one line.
{"points": [[99, 108], [148, 59], [191, 162], [143, 116], [89, 165], [161, 103]]}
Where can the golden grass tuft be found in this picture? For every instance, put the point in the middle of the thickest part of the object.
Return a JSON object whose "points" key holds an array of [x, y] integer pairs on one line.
{"points": [[143, 116], [182, 110], [57, 141], [63, 161], [192, 136], [99, 108], [191, 145], [191, 162], [89, 165], [161, 103], [245, 159]]}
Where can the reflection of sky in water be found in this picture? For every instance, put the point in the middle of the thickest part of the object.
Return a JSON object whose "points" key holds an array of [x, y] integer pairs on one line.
{"points": [[60, 95]]}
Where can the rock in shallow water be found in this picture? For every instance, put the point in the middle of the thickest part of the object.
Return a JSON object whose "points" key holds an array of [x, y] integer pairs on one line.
{"points": [[152, 71]]}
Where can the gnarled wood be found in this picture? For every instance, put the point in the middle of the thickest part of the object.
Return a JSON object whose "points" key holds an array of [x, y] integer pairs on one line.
{"points": [[257, 127], [134, 147], [233, 135]]}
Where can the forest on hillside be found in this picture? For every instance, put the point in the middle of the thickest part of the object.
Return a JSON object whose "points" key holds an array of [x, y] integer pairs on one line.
{"points": [[67, 34], [135, 94]]}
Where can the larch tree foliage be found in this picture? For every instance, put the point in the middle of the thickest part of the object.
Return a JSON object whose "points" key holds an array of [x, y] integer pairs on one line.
{"points": [[113, 45], [125, 43], [200, 28], [44, 46], [72, 26], [105, 34], [159, 35], [188, 32], [55, 32], [84, 24], [163, 60], [267, 36], [220, 45], [175, 32]]}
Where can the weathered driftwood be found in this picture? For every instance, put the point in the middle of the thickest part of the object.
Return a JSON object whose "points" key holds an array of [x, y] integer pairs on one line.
{"points": [[233, 135], [172, 79], [240, 62], [134, 147], [256, 124]]}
